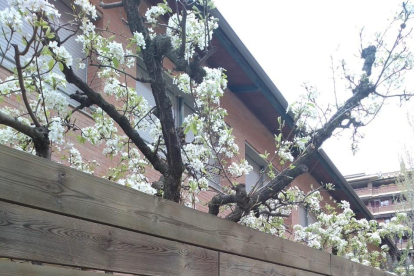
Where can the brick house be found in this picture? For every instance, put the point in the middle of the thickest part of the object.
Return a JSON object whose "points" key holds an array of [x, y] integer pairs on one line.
{"points": [[252, 100]]}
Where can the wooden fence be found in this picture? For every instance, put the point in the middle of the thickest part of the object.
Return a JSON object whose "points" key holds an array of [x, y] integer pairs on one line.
{"points": [[53, 214]]}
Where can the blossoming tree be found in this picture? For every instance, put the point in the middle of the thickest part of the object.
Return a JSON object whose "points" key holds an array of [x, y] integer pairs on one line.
{"points": [[180, 32]]}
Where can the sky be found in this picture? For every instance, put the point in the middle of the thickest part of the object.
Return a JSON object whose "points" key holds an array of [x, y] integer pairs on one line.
{"points": [[294, 40]]}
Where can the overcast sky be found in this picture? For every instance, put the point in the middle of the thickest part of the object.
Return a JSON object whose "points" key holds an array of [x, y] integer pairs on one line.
{"points": [[293, 41]]}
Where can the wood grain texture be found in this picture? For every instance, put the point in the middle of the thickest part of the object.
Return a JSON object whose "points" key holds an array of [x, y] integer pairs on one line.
{"points": [[16, 269], [29, 180], [231, 265], [31, 234], [344, 267]]}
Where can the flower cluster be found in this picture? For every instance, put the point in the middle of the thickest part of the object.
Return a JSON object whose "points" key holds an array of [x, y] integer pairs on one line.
{"points": [[87, 8], [153, 13], [61, 53], [240, 169], [348, 236], [196, 34], [11, 18], [139, 40], [271, 215], [29, 7]]}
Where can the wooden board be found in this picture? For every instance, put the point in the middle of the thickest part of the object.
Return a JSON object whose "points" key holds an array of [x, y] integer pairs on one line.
{"points": [[31, 234], [8, 268], [29, 180], [344, 267], [231, 265]]}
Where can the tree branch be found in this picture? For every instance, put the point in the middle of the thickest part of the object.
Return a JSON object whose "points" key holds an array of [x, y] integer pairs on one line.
{"points": [[269, 191], [111, 5], [153, 56], [39, 135], [22, 86], [122, 121]]}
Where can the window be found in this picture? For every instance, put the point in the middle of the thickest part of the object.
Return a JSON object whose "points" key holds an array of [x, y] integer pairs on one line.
{"points": [[387, 220], [74, 48], [375, 203], [145, 91], [258, 164], [185, 110], [181, 103], [385, 202], [305, 217]]}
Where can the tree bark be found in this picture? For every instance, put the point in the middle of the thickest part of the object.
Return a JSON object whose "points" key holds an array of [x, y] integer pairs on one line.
{"points": [[153, 56], [39, 135]]}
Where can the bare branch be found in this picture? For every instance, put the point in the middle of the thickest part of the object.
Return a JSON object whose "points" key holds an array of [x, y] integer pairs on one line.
{"points": [[111, 5]]}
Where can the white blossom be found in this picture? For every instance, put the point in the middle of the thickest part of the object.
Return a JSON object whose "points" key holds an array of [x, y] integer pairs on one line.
{"points": [[87, 8], [11, 17], [139, 39], [240, 169], [153, 13], [61, 53]]}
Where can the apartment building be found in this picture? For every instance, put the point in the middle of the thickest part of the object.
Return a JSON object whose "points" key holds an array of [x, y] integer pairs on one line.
{"points": [[381, 194]]}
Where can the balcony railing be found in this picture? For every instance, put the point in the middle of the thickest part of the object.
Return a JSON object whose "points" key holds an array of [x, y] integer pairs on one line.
{"points": [[363, 192], [392, 208], [385, 189], [403, 245]]}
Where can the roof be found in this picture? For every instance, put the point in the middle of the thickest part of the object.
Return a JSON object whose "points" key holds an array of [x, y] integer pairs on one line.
{"points": [[362, 177]]}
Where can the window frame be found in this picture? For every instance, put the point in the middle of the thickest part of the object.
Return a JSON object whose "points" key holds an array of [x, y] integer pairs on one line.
{"points": [[307, 215], [252, 154]]}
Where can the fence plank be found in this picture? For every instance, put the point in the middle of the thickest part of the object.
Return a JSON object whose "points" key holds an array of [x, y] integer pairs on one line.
{"points": [[231, 265], [37, 182], [344, 267], [31, 234], [16, 269]]}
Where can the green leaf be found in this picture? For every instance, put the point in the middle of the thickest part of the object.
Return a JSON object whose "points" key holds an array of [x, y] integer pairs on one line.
{"points": [[46, 51], [196, 9], [81, 139], [60, 66], [51, 63], [187, 129], [194, 128], [116, 62]]}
